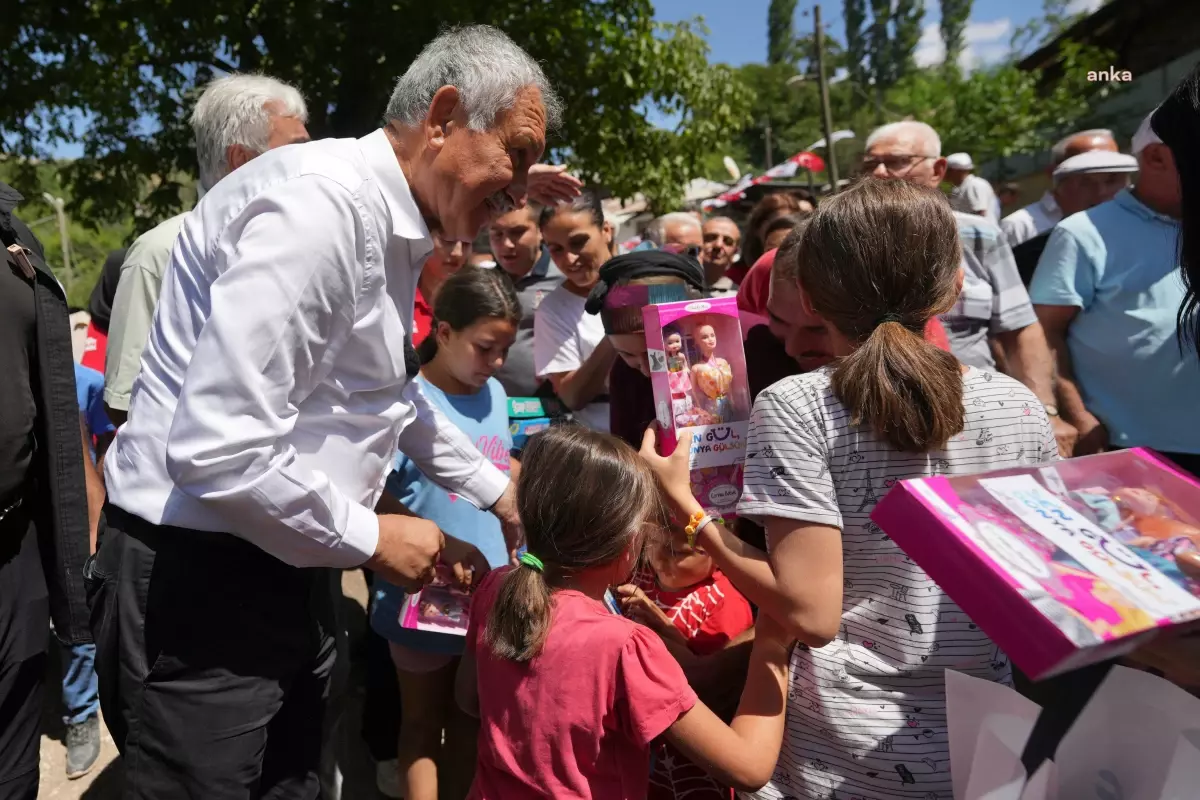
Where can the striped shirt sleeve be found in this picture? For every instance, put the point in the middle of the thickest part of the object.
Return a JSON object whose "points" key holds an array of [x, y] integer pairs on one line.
{"points": [[787, 459]]}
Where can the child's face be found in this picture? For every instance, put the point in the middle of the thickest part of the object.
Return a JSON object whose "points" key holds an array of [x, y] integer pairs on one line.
{"points": [[678, 566], [475, 353], [674, 344]]}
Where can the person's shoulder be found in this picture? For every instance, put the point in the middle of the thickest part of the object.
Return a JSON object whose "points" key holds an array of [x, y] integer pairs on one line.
{"points": [[88, 376], [979, 382], [152, 249], [1018, 220], [976, 227], [559, 301], [801, 394]]}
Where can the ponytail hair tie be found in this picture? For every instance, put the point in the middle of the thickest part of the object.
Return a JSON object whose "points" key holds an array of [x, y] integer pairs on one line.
{"points": [[889, 318], [528, 559]]}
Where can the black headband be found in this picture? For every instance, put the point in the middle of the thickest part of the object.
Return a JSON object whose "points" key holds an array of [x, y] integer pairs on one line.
{"points": [[643, 264]]}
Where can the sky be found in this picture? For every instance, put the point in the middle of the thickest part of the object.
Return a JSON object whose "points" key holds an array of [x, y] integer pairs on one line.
{"points": [[739, 27], [738, 31]]}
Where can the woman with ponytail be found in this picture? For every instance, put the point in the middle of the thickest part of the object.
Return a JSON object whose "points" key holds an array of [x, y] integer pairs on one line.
{"points": [[569, 693], [867, 704], [475, 318]]}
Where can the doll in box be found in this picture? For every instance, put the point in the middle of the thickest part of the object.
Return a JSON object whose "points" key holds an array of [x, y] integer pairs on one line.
{"points": [[678, 373], [712, 376]]}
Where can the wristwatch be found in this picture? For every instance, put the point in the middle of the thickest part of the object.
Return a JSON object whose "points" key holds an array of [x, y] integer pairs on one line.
{"points": [[1051, 409]]}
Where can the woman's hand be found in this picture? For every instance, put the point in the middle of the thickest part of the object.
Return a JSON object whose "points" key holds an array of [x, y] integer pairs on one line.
{"points": [[465, 560], [674, 472]]}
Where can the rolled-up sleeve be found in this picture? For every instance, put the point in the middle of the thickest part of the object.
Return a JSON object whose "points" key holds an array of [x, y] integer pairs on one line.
{"points": [[281, 308], [446, 455]]}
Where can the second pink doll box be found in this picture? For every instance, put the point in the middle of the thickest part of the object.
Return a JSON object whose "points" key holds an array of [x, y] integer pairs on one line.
{"points": [[1062, 564], [701, 395]]}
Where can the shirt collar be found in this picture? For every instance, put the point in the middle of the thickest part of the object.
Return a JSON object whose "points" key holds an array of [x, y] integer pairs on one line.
{"points": [[541, 267], [1049, 204], [381, 160], [1127, 200]]}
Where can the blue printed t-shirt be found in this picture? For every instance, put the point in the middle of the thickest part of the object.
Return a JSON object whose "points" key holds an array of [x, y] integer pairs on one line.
{"points": [[483, 417], [1118, 263], [89, 391]]}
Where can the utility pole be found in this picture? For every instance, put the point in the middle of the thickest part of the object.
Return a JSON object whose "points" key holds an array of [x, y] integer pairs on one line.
{"points": [[58, 204], [770, 150], [826, 115]]}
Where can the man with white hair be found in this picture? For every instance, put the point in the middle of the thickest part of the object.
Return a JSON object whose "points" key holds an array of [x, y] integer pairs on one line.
{"points": [[1081, 182], [678, 228], [264, 421], [993, 307], [971, 194], [1107, 290], [1038, 218], [236, 118]]}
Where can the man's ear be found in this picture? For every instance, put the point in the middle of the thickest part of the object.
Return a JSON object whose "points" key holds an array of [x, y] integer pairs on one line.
{"points": [[939, 171], [440, 117], [238, 155]]}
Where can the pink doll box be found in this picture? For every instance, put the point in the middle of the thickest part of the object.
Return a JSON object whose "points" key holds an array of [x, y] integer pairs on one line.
{"points": [[438, 608], [698, 370], [1062, 564]]}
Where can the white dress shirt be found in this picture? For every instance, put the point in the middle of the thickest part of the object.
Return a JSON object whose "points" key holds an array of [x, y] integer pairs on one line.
{"points": [[1032, 220], [272, 391]]}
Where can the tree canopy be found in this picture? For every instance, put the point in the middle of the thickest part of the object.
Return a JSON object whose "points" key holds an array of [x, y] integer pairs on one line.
{"points": [[643, 105]]}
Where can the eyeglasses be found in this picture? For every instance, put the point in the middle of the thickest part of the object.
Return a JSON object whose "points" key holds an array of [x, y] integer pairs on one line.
{"points": [[895, 164]]}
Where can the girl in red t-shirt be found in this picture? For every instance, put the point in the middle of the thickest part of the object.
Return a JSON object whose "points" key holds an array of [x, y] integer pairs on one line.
{"points": [[688, 602], [569, 694]]}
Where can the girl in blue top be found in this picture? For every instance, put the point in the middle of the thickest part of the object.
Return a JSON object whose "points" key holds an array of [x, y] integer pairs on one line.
{"points": [[475, 317]]}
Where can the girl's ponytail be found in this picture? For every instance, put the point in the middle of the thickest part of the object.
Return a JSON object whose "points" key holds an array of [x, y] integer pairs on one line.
{"points": [[877, 261], [520, 617], [906, 390]]}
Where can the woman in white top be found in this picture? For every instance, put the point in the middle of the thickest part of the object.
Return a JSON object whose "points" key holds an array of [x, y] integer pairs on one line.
{"points": [[867, 701], [569, 346]]}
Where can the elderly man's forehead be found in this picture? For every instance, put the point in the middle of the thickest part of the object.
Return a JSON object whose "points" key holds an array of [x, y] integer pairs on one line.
{"points": [[906, 142], [721, 222]]}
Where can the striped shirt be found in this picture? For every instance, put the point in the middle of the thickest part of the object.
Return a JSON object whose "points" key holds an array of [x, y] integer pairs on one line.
{"points": [[993, 298], [866, 713]]}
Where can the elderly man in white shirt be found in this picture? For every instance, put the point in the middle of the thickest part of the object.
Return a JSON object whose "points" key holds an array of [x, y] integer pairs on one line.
{"points": [[971, 194], [1037, 218], [266, 414]]}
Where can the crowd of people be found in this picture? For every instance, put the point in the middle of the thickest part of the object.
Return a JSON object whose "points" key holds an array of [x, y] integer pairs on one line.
{"points": [[310, 371]]}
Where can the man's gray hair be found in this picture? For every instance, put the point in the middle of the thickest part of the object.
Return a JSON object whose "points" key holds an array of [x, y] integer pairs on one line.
{"points": [[232, 110], [1059, 152], [488, 69], [656, 231], [931, 143]]}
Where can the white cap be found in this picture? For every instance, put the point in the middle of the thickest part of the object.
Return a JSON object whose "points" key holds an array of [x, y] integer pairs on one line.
{"points": [[960, 161], [1145, 135], [1096, 161]]}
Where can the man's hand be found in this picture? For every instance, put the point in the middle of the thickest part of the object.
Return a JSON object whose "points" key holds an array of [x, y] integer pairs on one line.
{"points": [[464, 558], [505, 510], [549, 184], [1066, 436], [1093, 436], [408, 549]]}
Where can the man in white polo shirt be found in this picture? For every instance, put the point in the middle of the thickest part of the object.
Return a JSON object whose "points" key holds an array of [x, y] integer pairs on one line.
{"points": [[971, 194], [264, 420]]}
